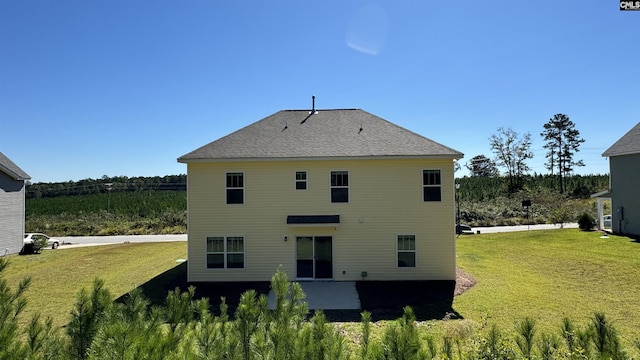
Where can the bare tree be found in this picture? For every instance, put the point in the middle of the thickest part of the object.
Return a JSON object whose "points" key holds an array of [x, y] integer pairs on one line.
{"points": [[512, 152]]}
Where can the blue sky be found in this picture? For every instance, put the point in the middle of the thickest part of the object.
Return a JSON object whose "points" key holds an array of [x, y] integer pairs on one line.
{"points": [[114, 87]]}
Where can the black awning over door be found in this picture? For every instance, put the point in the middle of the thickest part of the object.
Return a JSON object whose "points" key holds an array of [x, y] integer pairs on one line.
{"points": [[313, 219]]}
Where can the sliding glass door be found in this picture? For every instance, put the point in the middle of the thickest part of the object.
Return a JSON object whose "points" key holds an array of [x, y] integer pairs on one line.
{"points": [[314, 258]]}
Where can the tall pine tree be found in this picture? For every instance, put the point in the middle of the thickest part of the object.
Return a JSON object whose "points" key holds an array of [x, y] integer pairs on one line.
{"points": [[562, 142]]}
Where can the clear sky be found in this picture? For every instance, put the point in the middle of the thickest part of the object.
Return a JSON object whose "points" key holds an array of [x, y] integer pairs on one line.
{"points": [[121, 87]]}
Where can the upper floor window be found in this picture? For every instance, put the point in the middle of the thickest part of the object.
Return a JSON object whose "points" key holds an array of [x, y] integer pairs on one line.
{"points": [[431, 185], [339, 186], [301, 180], [235, 188], [225, 253]]}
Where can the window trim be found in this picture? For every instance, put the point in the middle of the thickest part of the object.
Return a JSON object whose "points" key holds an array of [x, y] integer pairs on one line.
{"points": [[424, 186], [227, 188], [331, 187], [305, 181], [414, 251], [225, 253]]}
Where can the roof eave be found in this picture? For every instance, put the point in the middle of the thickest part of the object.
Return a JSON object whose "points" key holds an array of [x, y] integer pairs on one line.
{"points": [[324, 158], [13, 174], [614, 153]]}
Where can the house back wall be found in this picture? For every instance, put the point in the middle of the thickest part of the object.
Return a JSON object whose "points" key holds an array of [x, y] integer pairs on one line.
{"points": [[385, 200]]}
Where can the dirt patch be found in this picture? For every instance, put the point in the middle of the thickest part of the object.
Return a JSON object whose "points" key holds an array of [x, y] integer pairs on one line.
{"points": [[464, 282]]}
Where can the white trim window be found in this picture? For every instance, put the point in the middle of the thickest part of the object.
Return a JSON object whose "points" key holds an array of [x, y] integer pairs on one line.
{"points": [[339, 186], [235, 188], [406, 249], [301, 180], [225, 252], [431, 185]]}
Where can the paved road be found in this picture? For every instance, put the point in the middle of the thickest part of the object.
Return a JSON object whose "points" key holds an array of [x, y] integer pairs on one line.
{"points": [[76, 241], [496, 229]]}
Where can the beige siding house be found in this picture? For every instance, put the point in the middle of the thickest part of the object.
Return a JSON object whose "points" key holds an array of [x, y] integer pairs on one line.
{"points": [[12, 213], [326, 194], [624, 172]]}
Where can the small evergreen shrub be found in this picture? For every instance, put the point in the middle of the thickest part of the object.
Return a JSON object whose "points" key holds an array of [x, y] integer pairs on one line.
{"points": [[185, 328], [586, 222]]}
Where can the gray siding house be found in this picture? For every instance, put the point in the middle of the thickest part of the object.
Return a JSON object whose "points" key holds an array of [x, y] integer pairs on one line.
{"points": [[624, 172], [12, 213]]}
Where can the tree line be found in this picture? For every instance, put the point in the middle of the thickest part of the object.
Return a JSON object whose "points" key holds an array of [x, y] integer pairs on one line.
{"points": [[512, 151], [106, 184], [480, 188]]}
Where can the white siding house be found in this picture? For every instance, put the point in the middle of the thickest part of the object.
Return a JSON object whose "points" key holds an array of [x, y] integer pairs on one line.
{"points": [[326, 194]]}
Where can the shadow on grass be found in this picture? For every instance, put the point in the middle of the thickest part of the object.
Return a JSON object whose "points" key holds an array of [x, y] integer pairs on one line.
{"points": [[156, 289], [385, 300]]}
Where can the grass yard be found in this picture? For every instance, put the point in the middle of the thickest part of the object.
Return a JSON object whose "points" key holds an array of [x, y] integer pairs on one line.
{"points": [[549, 275], [546, 275], [58, 275]]}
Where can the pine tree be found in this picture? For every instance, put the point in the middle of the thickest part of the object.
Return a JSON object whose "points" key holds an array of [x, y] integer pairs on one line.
{"points": [[11, 305], [248, 318], [86, 317], [401, 339], [288, 315], [562, 142], [526, 330]]}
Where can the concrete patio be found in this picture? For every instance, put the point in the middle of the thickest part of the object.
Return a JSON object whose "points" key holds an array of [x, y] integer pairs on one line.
{"points": [[327, 295]]}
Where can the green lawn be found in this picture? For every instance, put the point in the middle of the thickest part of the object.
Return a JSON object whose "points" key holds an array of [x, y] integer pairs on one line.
{"points": [[549, 275], [58, 275], [546, 275]]}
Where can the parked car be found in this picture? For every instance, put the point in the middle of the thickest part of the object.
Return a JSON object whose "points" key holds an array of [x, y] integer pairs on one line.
{"points": [[463, 229], [30, 238], [607, 221]]}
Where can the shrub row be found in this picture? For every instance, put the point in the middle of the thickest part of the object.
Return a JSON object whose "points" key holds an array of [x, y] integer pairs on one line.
{"points": [[547, 207], [184, 328]]}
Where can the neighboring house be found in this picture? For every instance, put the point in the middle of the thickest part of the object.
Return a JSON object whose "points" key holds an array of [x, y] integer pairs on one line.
{"points": [[12, 195], [624, 171], [327, 194]]}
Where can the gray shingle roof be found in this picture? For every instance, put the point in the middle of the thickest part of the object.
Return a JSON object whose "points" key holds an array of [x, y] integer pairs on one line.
{"points": [[297, 134], [8, 167], [628, 144]]}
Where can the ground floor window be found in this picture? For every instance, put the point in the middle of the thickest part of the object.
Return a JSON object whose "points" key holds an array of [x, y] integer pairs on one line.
{"points": [[406, 250], [225, 252]]}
